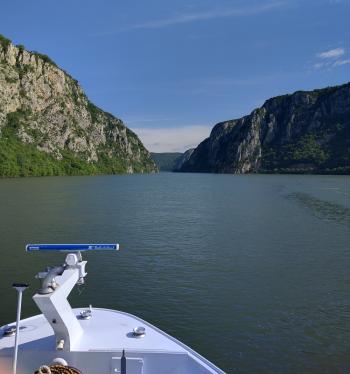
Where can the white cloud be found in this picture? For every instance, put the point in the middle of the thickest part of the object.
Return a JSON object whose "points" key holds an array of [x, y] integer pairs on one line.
{"points": [[318, 65], [174, 139], [332, 53], [206, 15], [331, 59], [342, 62]]}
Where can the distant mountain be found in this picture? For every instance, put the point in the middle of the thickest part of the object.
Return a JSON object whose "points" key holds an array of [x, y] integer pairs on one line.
{"points": [[49, 127], [166, 161], [305, 132]]}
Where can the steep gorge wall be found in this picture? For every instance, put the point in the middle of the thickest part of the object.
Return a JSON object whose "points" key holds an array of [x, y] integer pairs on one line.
{"points": [[306, 132], [49, 127]]}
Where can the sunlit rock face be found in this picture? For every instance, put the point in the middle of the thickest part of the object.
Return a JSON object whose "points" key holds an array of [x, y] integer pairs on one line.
{"points": [[306, 132], [43, 109]]}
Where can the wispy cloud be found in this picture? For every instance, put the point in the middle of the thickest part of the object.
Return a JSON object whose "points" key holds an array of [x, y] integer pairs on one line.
{"points": [[332, 53], [174, 139], [331, 58], [342, 62], [183, 18], [318, 65]]}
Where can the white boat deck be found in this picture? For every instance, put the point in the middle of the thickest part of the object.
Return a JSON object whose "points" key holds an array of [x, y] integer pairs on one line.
{"points": [[107, 330], [104, 337], [103, 344]]}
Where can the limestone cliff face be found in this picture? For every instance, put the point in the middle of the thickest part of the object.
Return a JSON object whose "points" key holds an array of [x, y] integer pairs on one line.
{"points": [[47, 120], [306, 132], [181, 160]]}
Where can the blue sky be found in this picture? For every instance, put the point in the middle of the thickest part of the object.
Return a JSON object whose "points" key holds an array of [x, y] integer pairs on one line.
{"points": [[172, 69]]}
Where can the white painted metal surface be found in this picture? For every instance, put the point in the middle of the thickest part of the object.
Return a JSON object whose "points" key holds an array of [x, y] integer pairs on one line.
{"points": [[95, 345], [57, 310], [20, 288]]}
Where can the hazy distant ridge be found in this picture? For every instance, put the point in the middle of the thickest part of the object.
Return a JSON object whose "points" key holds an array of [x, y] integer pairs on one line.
{"points": [[166, 161]]}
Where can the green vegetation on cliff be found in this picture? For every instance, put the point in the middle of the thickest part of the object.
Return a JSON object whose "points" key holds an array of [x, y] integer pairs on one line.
{"points": [[166, 161], [49, 127], [305, 132], [18, 159]]}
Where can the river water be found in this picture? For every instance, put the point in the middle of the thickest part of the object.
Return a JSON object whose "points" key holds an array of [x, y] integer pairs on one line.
{"points": [[251, 271]]}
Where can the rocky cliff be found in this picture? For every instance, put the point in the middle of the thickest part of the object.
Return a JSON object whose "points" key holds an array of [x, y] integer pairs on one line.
{"points": [[305, 132], [180, 161], [49, 127]]}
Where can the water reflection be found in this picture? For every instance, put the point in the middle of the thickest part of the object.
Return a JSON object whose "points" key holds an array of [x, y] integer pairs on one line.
{"points": [[325, 210]]}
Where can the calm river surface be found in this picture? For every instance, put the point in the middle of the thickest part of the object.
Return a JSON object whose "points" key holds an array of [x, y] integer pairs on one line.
{"points": [[251, 271]]}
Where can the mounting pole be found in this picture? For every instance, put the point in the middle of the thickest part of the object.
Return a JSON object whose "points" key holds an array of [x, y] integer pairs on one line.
{"points": [[123, 363], [20, 287]]}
